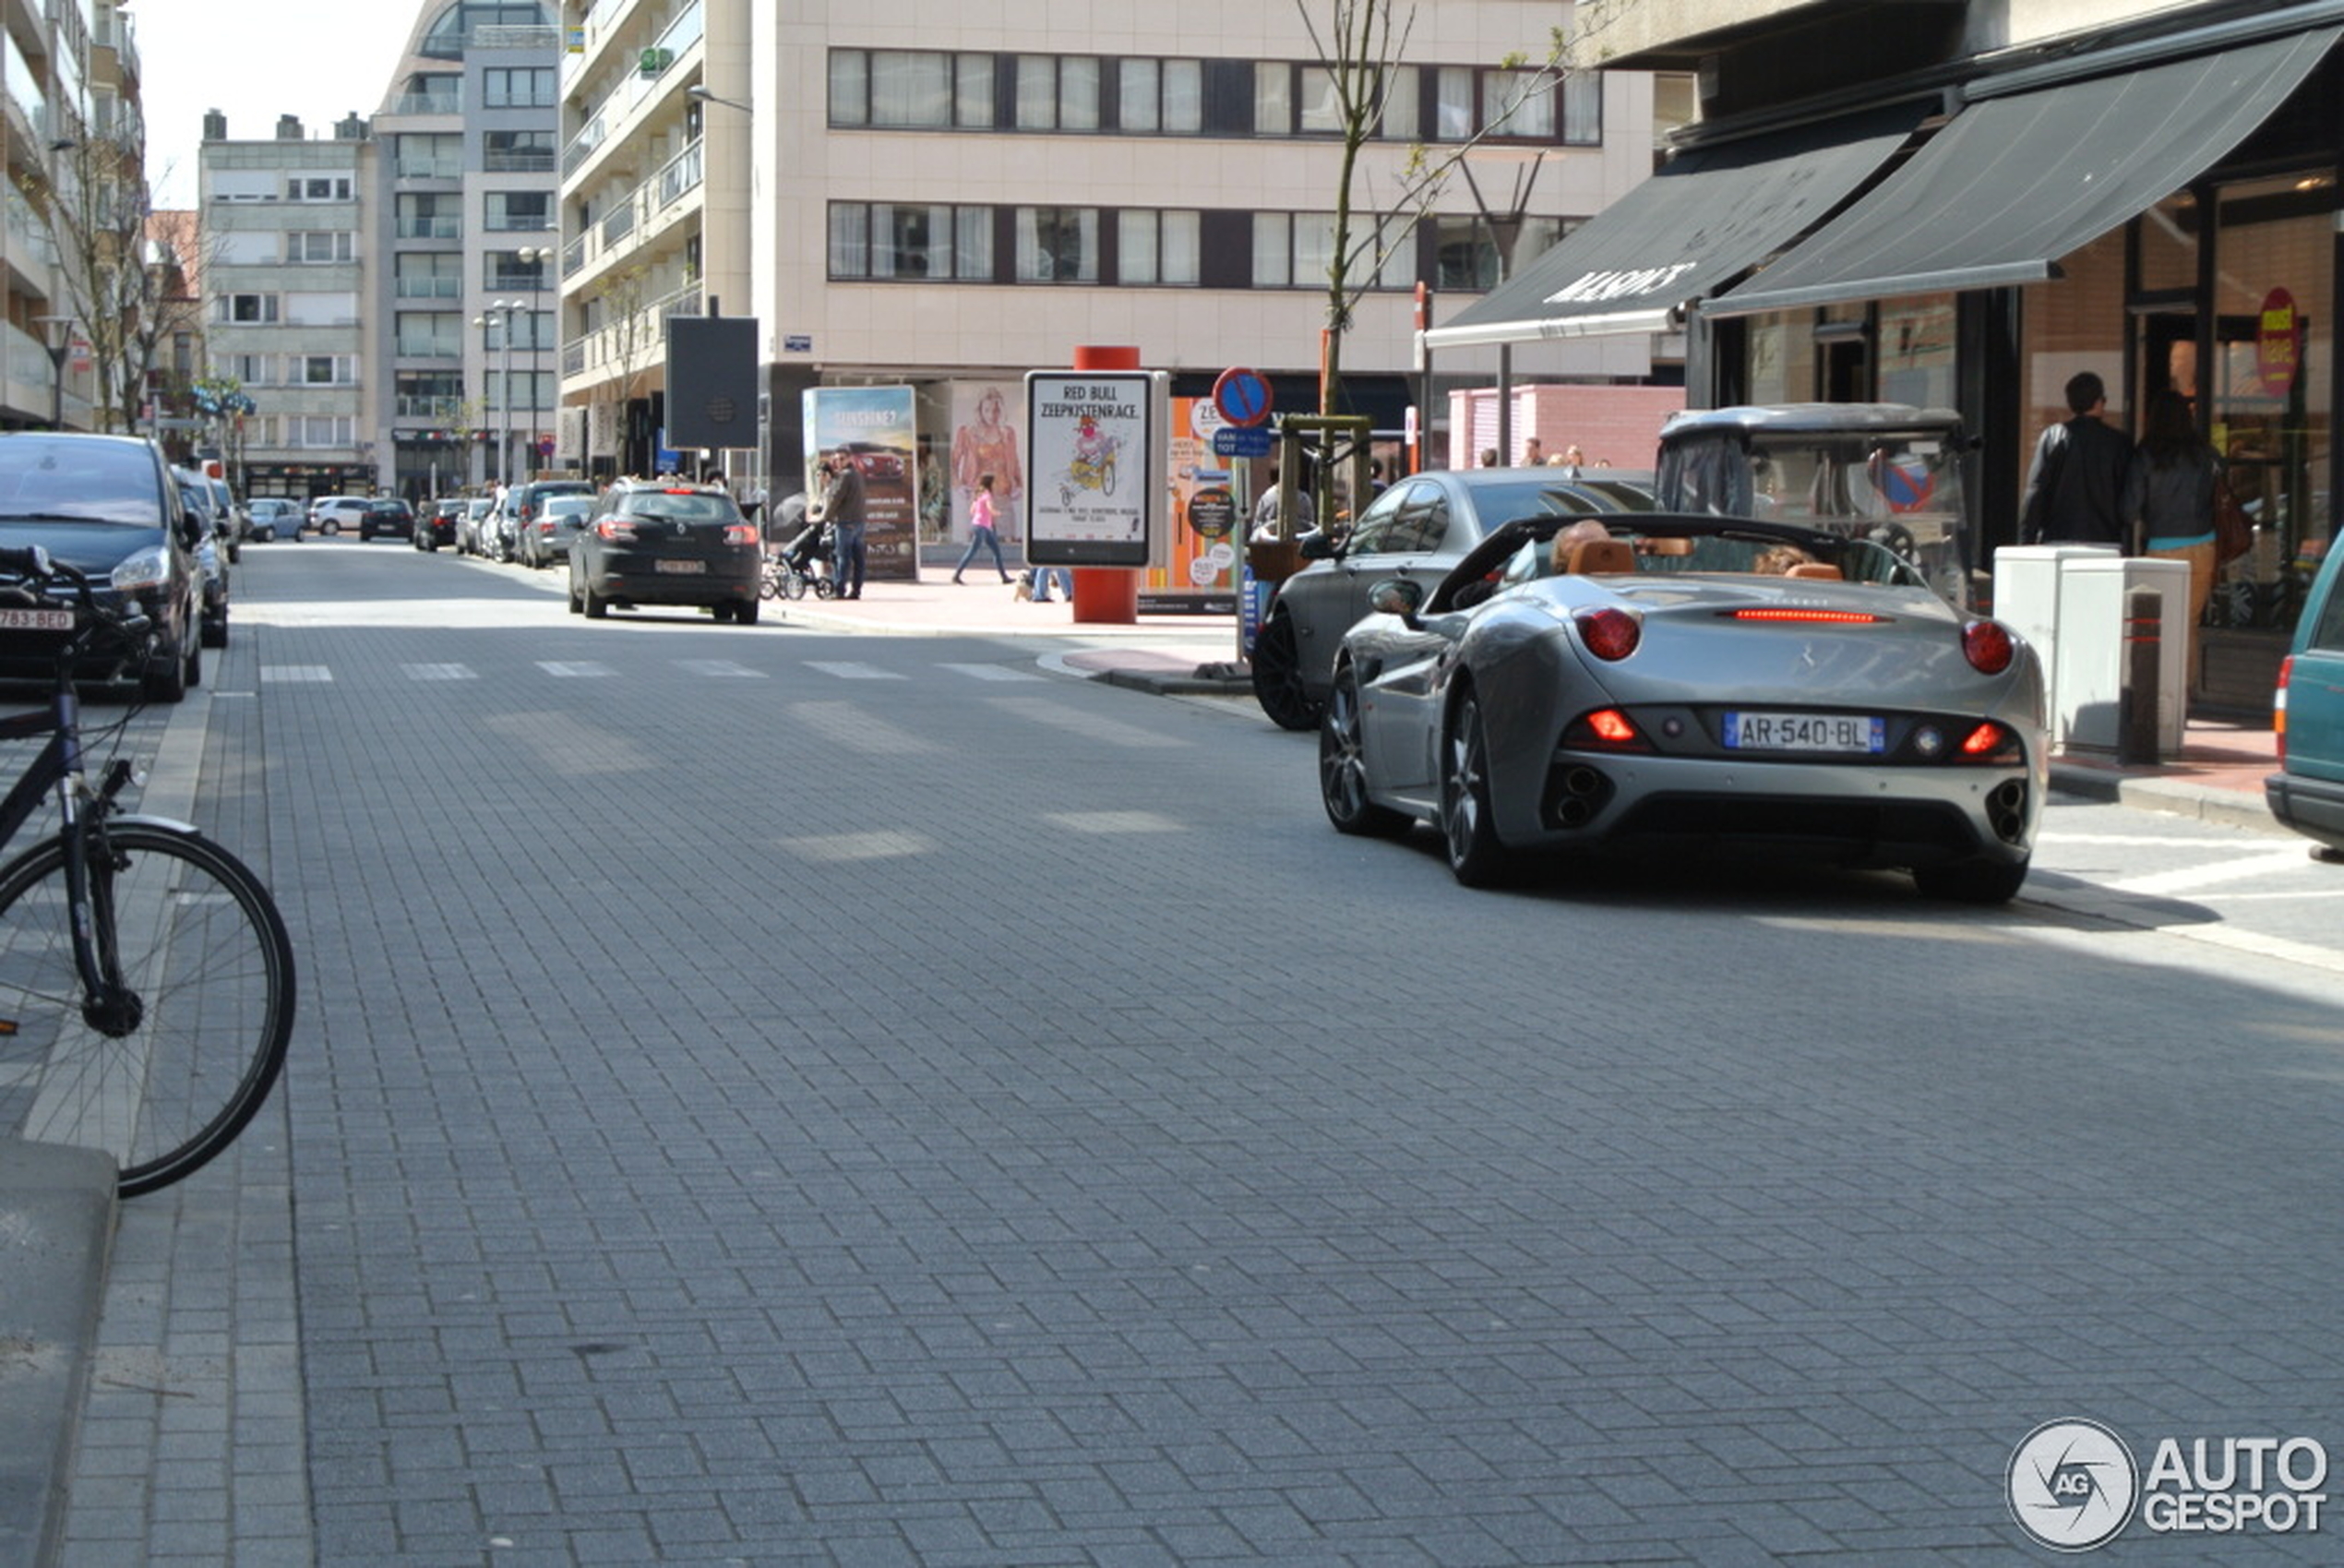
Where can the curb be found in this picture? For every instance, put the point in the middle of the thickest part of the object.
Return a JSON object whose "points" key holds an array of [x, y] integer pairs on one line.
{"points": [[2228, 808], [56, 1232]]}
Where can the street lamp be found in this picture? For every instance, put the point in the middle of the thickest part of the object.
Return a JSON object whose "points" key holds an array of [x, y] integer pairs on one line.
{"points": [[499, 315], [536, 259], [701, 92]]}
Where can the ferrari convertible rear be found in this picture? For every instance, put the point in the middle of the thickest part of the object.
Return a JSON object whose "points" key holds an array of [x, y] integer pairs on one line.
{"points": [[1688, 683]]}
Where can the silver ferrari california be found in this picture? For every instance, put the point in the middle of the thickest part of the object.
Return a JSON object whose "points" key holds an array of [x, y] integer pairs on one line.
{"points": [[1671, 680]]}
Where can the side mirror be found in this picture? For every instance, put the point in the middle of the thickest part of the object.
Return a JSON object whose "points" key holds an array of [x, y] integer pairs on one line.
{"points": [[1317, 546], [1397, 596]]}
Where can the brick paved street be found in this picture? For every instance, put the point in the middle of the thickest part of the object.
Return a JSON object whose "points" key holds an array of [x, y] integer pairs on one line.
{"points": [[770, 1096]]}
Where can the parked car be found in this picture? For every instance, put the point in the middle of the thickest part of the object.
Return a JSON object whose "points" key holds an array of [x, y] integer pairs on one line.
{"points": [[436, 524], [659, 543], [549, 539], [1418, 528], [269, 513], [213, 554], [109, 506], [388, 517], [2307, 793], [1690, 681], [472, 525], [522, 503], [330, 515], [238, 522]]}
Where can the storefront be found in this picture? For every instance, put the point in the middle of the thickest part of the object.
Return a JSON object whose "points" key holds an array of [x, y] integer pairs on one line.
{"points": [[2162, 212]]}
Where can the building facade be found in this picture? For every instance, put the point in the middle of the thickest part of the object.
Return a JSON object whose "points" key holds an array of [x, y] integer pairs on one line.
{"points": [[2022, 192], [943, 200], [462, 304], [69, 100], [284, 274]]}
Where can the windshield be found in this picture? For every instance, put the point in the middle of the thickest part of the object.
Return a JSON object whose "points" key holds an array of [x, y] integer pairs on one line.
{"points": [[101, 481]]}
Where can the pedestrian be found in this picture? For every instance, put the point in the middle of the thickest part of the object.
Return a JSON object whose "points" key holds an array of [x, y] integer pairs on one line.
{"points": [[1488, 457], [2168, 498], [1267, 526], [982, 534], [842, 509], [2076, 485], [1534, 453], [1037, 585]]}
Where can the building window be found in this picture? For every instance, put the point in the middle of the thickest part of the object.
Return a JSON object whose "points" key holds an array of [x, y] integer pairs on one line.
{"points": [[1158, 248], [917, 88], [429, 334], [1058, 245], [247, 369], [316, 247], [519, 211], [317, 187], [420, 275], [881, 241], [248, 309], [519, 87], [504, 270], [518, 152], [1296, 250], [327, 369], [429, 217], [436, 156], [1160, 97], [428, 394]]}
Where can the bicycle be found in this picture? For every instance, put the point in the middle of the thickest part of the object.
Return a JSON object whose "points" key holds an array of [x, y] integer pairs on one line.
{"points": [[146, 975]]}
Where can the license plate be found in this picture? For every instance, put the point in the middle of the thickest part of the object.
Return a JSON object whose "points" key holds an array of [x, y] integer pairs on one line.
{"points": [[36, 620], [1846, 733], [679, 566]]}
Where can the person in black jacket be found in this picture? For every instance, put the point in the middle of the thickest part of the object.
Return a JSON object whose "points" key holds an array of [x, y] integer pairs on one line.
{"points": [[842, 509], [2076, 486]]}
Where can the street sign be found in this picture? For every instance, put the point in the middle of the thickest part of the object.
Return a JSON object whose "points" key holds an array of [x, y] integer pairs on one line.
{"points": [[1242, 396], [1241, 441]]}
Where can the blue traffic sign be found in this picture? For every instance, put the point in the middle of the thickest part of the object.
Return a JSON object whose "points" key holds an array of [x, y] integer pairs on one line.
{"points": [[1240, 441], [1242, 396]]}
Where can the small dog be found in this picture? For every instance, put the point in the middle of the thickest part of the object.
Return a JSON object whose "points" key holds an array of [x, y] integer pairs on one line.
{"points": [[1024, 589]]}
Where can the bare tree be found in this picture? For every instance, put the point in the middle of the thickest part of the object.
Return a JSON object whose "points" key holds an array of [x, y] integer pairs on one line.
{"points": [[1361, 44], [95, 204], [178, 254]]}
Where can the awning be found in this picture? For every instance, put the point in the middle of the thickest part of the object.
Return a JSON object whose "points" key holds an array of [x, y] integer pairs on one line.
{"points": [[1683, 234], [2015, 182]]}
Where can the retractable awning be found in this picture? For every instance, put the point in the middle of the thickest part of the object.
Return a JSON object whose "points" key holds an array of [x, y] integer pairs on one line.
{"points": [[2018, 181], [1692, 228]]}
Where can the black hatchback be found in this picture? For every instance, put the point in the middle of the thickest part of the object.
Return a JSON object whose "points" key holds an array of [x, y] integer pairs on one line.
{"points": [[666, 542], [108, 506]]}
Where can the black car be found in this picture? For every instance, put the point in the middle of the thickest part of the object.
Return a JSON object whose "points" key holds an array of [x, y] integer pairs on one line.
{"points": [[437, 526], [660, 542], [387, 516], [109, 507]]}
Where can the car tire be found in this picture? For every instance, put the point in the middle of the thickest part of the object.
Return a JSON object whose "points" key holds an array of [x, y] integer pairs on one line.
{"points": [[215, 632], [745, 612], [577, 600], [167, 683], [1343, 766], [595, 605], [1971, 881], [1468, 829], [1277, 676]]}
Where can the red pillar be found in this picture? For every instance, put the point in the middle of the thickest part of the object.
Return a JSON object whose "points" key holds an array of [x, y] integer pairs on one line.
{"points": [[1106, 596]]}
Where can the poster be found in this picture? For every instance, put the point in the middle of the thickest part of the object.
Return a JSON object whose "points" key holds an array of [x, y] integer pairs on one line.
{"points": [[875, 429], [1096, 446]]}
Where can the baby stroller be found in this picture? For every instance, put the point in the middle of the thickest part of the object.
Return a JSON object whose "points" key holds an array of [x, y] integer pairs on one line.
{"points": [[804, 563]]}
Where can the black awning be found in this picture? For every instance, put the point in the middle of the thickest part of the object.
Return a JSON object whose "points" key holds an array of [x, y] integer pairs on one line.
{"points": [[2015, 182], [1685, 233]]}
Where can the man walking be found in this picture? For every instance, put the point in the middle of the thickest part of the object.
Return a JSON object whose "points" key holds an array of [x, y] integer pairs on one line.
{"points": [[2076, 486], [842, 509]]}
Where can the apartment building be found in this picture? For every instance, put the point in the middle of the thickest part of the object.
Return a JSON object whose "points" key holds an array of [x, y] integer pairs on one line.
{"points": [[462, 300], [943, 200], [285, 221], [69, 96]]}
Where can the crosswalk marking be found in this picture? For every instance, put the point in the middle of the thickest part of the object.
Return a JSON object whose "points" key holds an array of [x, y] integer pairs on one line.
{"points": [[847, 670], [575, 669], [1113, 822], [1091, 726], [440, 672], [850, 728], [719, 669], [2191, 878], [318, 673], [992, 671]]}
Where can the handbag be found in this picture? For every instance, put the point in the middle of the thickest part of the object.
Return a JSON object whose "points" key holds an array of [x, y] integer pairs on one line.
{"points": [[2233, 530]]}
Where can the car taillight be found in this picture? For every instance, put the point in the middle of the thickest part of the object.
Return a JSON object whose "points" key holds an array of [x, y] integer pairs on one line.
{"points": [[1797, 613], [740, 533], [2279, 708], [1988, 646], [1611, 634], [1989, 742], [615, 528], [1606, 729]]}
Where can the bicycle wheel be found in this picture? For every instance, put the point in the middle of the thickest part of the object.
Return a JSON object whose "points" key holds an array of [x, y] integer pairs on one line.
{"points": [[198, 942]]}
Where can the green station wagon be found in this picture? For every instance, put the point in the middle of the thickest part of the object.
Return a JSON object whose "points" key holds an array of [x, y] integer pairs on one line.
{"points": [[2307, 795]]}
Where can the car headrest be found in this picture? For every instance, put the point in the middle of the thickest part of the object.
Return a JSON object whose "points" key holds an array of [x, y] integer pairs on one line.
{"points": [[1600, 557]]}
